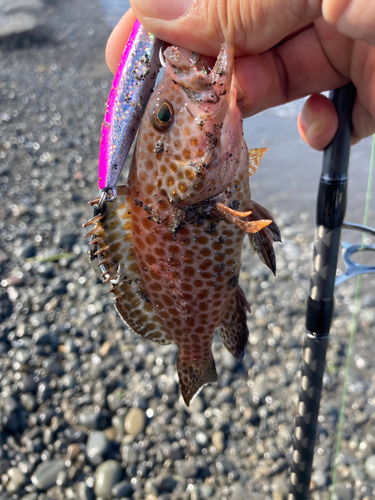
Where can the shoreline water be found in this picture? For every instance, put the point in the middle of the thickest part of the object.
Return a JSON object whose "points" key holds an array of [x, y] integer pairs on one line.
{"points": [[88, 409]]}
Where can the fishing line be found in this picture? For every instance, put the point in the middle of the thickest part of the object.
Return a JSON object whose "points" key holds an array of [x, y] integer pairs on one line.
{"points": [[353, 324]]}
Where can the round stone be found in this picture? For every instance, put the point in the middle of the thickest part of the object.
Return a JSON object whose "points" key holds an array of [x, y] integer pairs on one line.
{"points": [[46, 473], [135, 421], [17, 476], [97, 447], [107, 475], [202, 438], [370, 466], [319, 478], [122, 490], [218, 440]]}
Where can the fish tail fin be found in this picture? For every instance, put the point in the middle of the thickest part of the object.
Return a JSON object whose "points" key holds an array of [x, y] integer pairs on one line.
{"points": [[233, 329], [195, 375], [262, 241]]}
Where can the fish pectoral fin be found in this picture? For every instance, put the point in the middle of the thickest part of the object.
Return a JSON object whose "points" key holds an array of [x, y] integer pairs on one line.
{"points": [[233, 329], [194, 376], [262, 242], [255, 156], [236, 217]]}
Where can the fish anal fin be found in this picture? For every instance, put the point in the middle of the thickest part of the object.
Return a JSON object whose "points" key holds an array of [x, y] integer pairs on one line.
{"points": [[236, 217], [193, 376], [262, 242], [139, 315], [233, 329], [255, 157]]}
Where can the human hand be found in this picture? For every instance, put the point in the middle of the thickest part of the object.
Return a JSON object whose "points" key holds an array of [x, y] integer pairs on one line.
{"points": [[285, 49]]}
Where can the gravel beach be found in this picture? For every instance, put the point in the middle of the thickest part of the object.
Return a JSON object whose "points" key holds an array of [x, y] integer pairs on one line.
{"points": [[87, 408]]}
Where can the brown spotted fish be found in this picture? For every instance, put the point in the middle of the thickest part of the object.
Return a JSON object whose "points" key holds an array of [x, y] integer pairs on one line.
{"points": [[171, 242]]}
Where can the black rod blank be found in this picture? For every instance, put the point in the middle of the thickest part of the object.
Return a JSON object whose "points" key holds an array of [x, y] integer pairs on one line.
{"points": [[330, 212]]}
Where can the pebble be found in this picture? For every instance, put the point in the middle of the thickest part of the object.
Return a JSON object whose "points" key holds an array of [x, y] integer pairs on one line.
{"points": [[97, 446], [30, 496], [17, 478], [196, 405], [129, 454], [4, 466], [218, 439], [238, 491], [46, 474], [26, 251], [150, 486], [66, 240], [84, 492], [319, 478], [135, 421], [114, 401], [122, 489], [280, 489], [207, 490], [118, 423], [357, 473], [166, 483], [108, 474], [370, 466], [28, 401], [202, 438], [187, 469], [342, 492]]}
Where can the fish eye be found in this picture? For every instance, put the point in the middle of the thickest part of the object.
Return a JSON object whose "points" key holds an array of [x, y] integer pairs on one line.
{"points": [[162, 116]]}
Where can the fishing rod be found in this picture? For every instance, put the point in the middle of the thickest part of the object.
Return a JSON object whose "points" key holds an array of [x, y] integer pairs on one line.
{"points": [[330, 212]]}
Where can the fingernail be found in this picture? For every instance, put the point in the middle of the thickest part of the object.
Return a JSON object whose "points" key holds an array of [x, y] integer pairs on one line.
{"points": [[240, 93], [305, 119], [164, 9]]}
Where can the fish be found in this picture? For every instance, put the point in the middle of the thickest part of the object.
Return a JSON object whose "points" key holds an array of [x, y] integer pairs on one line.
{"points": [[171, 242]]}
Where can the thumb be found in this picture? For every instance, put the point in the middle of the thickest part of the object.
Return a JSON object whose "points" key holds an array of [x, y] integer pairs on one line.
{"points": [[203, 25]]}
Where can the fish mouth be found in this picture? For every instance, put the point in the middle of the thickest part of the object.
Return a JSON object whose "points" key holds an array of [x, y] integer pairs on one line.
{"points": [[192, 73]]}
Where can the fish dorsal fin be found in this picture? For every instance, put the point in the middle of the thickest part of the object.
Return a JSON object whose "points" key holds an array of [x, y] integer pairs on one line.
{"points": [[113, 231], [255, 156], [195, 375], [262, 242], [236, 217], [233, 328]]}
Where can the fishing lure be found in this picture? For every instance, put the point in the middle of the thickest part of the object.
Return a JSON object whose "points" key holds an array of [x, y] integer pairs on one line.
{"points": [[130, 92]]}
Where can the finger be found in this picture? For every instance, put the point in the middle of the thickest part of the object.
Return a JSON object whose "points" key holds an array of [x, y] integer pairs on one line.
{"points": [[294, 69], [333, 9], [363, 122], [355, 19], [318, 122], [252, 26], [118, 39], [363, 77]]}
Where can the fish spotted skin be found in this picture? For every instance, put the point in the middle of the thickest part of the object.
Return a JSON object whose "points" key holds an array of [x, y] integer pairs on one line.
{"points": [[171, 243]]}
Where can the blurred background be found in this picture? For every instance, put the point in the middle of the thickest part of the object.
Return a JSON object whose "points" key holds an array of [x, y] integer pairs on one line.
{"points": [[88, 409]]}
